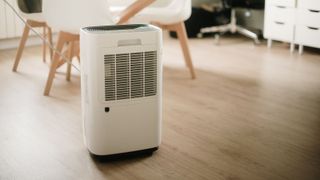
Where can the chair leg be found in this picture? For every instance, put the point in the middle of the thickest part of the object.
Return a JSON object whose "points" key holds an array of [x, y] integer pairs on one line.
{"points": [[44, 45], [50, 41], [21, 47], [77, 50], [54, 64], [183, 38], [70, 56]]}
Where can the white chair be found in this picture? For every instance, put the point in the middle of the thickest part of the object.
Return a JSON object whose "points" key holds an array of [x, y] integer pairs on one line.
{"points": [[34, 19], [69, 16], [168, 14]]}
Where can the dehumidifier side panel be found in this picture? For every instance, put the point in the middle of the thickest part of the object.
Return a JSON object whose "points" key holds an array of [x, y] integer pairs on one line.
{"points": [[159, 82], [84, 55], [89, 84]]}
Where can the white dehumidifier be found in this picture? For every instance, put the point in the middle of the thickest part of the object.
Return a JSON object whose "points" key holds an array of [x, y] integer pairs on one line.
{"points": [[121, 88]]}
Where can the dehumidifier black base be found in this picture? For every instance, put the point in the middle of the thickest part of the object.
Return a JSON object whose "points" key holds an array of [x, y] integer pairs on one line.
{"points": [[126, 155]]}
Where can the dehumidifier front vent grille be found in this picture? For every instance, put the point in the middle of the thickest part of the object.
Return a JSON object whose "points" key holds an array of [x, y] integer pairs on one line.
{"points": [[130, 75]]}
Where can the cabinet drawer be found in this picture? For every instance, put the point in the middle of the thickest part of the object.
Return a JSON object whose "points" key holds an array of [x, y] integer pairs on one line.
{"points": [[309, 4], [283, 3], [309, 36], [308, 17], [280, 14], [279, 31]]}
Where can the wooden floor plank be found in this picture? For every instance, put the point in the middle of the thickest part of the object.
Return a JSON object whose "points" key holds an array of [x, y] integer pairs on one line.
{"points": [[252, 113]]}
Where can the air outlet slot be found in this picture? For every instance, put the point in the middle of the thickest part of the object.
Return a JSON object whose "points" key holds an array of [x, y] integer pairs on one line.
{"points": [[109, 74], [150, 73], [136, 75], [130, 75], [122, 76]]}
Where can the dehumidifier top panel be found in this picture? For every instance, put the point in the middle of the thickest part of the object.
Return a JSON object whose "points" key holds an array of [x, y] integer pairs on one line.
{"points": [[130, 75], [119, 28]]}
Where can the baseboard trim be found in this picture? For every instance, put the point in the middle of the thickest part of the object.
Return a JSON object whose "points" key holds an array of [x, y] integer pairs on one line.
{"points": [[13, 43]]}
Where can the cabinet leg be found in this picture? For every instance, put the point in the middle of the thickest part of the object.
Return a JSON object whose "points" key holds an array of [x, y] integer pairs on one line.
{"points": [[269, 43], [300, 49], [292, 47]]}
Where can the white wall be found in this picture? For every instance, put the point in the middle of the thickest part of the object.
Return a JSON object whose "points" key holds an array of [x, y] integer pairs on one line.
{"points": [[10, 25]]}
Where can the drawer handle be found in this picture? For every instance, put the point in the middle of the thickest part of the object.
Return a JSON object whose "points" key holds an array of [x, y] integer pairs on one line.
{"points": [[314, 11], [282, 7], [280, 23], [313, 28]]}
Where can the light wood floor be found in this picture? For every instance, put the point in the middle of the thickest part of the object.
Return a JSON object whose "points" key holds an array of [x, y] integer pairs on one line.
{"points": [[252, 113]]}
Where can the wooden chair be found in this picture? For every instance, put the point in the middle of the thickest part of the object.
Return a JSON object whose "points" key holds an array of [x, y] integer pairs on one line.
{"points": [[34, 19]]}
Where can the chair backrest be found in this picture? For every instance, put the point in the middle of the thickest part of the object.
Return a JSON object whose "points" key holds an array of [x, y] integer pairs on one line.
{"points": [[30, 9], [71, 15], [30, 6], [180, 9]]}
